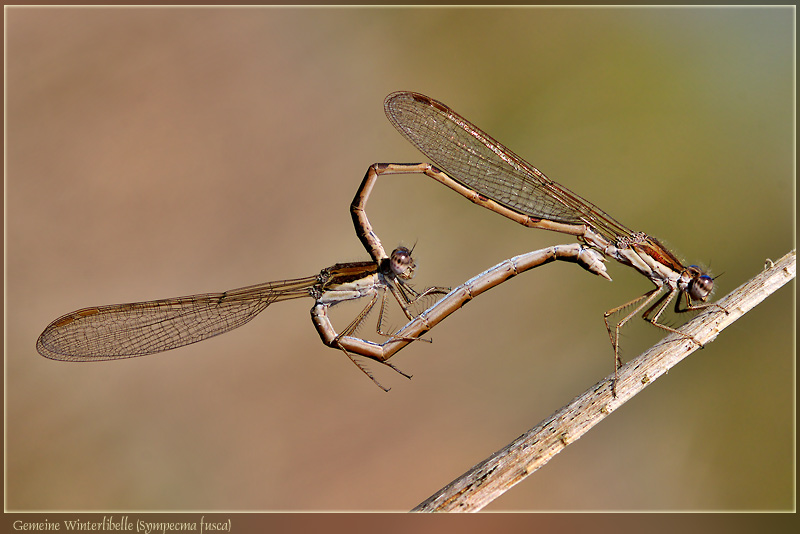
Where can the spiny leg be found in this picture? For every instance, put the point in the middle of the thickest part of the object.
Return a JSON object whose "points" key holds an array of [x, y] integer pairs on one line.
{"points": [[379, 326], [691, 307], [364, 369], [663, 305], [646, 298], [406, 296], [614, 336], [352, 327], [433, 290]]}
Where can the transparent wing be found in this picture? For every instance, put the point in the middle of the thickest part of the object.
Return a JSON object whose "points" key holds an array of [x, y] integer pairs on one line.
{"points": [[126, 330], [470, 156]]}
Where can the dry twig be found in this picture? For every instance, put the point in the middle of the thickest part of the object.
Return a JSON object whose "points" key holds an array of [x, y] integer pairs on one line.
{"points": [[492, 477]]}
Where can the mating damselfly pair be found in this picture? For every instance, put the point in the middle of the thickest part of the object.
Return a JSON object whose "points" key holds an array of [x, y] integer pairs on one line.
{"points": [[468, 161]]}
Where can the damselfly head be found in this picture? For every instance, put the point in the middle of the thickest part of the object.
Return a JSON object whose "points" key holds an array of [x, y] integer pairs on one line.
{"points": [[699, 285], [402, 264]]}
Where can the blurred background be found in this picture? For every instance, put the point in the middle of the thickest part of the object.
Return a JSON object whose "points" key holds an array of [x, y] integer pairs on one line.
{"points": [[153, 153]]}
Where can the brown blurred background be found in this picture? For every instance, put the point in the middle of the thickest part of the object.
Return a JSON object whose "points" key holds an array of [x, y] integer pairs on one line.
{"points": [[160, 152]]}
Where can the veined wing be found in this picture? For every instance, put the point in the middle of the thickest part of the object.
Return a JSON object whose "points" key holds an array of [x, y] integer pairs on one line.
{"points": [[126, 330], [473, 158]]}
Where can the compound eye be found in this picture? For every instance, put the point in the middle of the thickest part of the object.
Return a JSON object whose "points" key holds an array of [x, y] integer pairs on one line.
{"points": [[701, 287], [401, 263]]}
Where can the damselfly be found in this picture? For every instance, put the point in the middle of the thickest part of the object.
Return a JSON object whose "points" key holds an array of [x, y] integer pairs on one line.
{"points": [[476, 166], [120, 331]]}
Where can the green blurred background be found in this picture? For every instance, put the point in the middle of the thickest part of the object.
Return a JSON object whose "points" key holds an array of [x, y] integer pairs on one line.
{"points": [[159, 152]]}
